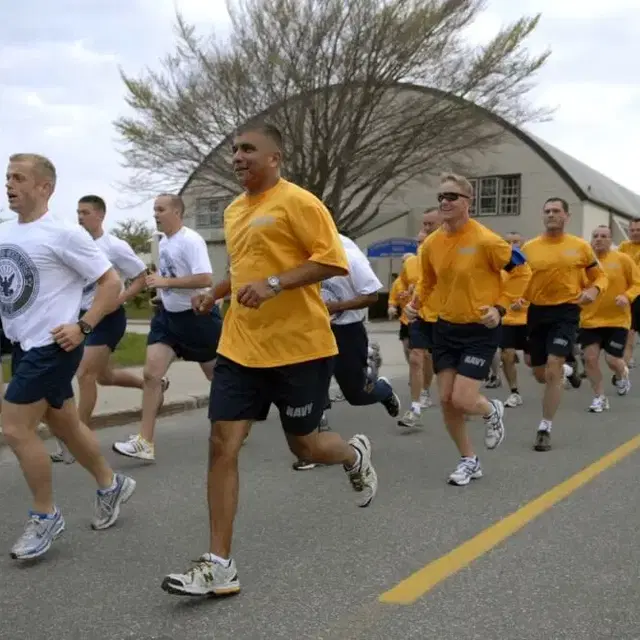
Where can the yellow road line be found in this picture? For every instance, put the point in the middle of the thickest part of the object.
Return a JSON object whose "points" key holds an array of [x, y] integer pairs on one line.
{"points": [[425, 579]]}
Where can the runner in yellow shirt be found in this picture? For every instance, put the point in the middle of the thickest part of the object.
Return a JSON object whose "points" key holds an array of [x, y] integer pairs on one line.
{"points": [[461, 265], [559, 263], [514, 337], [604, 325], [398, 300], [421, 335], [632, 248], [276, 347]]}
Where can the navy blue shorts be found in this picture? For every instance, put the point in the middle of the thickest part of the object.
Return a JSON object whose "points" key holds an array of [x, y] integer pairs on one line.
{"points": [[421, 334], [552, 330], [192, 337], [109, 331], [514, 336], [466, 348], [403, 334], [635, 314], [611, 339], [299, 391], [43, 373]]}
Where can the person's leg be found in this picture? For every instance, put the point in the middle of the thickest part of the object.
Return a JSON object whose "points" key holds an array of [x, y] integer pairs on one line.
{"points": [[418, 345], [427, 379], [303, 386], [591, 345], [45, 523], [561, 337], [614, 357], [158, 360], [114, 489], [350, 371], [94, 362], [513, 338], [238, 397]]}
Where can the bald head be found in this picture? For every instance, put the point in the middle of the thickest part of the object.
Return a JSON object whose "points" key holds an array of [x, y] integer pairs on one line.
{"points": [[168, 210], [431, 220], [514, 238], [171, 201]]}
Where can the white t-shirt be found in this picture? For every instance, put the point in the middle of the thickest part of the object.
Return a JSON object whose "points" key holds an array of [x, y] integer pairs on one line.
{"points": [[123, 259], [361, 281], [183, 254], [44, 266]]}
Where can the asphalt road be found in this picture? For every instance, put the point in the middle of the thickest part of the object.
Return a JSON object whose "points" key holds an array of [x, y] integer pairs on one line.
{"points": [[312, 565]]}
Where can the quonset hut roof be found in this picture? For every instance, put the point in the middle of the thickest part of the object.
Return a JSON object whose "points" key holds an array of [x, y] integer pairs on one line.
{"points": [[587, 183]]}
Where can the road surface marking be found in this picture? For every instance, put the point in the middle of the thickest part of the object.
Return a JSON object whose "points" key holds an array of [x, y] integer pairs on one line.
{"points": [[425, 579]]}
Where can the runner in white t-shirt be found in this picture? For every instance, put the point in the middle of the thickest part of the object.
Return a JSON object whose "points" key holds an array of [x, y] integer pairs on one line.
{"points": [[96, 367], [347, 299], [44, 265], [176, 331]]}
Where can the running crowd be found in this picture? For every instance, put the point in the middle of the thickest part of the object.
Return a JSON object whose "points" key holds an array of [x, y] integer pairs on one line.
{"points": [[299, 292]]}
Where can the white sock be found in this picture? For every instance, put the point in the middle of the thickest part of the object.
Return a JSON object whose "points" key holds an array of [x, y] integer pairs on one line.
{"points": [[114, 484], [416, 408], [545, 425], [212, 557], [493, 410], [358, 461]]}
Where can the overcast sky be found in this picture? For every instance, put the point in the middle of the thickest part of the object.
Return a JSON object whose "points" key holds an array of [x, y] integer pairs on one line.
{"points": [[60, 89]]}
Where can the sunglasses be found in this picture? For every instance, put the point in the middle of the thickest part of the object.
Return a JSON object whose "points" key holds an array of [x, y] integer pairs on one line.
{"points": [[450, 196]]}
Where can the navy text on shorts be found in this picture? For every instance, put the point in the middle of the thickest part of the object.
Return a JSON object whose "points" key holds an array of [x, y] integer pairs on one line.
{"points": [[299, 391], [552, 330], [466, 348]]}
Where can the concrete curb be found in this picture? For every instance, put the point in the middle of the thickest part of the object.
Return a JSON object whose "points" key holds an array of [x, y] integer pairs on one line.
{"points": [[127, 416]]}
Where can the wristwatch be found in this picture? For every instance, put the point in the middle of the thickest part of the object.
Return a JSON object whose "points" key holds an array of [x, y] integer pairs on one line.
{"points": [[274, 284], [501, 310], [85, 327]]}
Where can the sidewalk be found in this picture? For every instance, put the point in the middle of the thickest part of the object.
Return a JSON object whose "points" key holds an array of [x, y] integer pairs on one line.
{"points": [[189, 388]]}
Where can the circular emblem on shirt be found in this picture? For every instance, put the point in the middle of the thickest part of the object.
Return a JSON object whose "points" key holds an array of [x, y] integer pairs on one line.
{"points": [[19, 281]]}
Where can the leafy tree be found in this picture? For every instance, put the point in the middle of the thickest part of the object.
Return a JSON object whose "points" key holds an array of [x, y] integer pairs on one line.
{"points": [[326, 72], [135, 232]]}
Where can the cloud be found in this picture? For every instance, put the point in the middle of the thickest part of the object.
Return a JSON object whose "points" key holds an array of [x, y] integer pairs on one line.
{"points": [[61, 92], [53, 53]]}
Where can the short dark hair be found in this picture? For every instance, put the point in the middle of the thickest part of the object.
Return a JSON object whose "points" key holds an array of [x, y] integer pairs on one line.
{"points": [[176, 201], [265, 128], [562, 201], [634, 220], [394, 275], [95, 201], [431, 210]]}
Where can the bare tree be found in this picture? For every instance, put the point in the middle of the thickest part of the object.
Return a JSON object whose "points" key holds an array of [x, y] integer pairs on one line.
{"points": [[328, 74]]}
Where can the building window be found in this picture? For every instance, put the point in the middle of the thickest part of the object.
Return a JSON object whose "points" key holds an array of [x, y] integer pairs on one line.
{"points": [[496, 196], [210, 212]]}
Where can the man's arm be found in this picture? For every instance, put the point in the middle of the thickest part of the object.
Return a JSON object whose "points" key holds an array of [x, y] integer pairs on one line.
{"points": [[502, 256], [136, 285], [106, 299], [196, 281], [309, 272], [427, 281], [632, 272], [596, 275]]}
